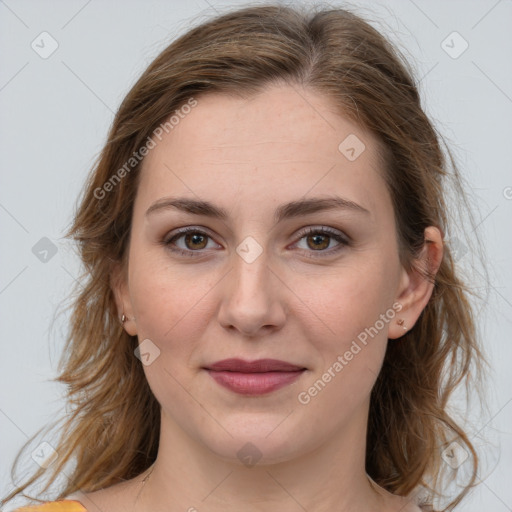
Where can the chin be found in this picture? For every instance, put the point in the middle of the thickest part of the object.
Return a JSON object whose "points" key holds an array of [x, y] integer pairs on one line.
{"points": [[259, 440]]}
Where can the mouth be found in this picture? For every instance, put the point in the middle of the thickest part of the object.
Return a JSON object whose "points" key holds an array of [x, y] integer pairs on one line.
{"points": [[254, 377]]}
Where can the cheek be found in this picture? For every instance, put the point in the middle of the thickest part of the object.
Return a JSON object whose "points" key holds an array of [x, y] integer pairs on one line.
{"points": [[349, 313], [170, 312], [167, 300], [346, 302], [348, 326]]}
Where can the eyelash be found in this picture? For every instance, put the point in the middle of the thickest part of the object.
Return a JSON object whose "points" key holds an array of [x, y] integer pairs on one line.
{"points": [[324, 231]]}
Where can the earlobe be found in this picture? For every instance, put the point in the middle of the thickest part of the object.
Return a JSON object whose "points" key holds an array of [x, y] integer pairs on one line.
{"points": [[119, 286], [418, 284], [398, 328]]}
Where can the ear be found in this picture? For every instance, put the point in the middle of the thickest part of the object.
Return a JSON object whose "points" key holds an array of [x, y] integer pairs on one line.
{"points": [[415, 287], [119, 286]]}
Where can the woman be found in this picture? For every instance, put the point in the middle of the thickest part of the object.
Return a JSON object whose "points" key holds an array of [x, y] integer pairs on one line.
{"points": [[271, 315]]}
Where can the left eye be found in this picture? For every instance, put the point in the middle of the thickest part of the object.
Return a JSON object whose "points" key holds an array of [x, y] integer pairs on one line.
{"points": [[319, 239]]}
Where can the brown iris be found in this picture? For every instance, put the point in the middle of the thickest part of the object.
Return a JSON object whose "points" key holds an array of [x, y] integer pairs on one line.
{"points": [[195, 238], [320, 245]]}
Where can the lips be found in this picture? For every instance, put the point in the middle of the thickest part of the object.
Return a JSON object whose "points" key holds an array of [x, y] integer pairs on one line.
{"points": [[259, 366], [254, 377]]}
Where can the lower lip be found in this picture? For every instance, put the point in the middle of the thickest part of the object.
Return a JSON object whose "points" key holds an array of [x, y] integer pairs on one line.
{"points": [[254, 383]]}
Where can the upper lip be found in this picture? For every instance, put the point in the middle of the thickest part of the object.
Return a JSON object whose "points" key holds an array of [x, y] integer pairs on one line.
{"points": [[258, 366]]}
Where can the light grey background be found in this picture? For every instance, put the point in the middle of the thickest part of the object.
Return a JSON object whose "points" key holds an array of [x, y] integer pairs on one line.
{"points": [[55, 113]]}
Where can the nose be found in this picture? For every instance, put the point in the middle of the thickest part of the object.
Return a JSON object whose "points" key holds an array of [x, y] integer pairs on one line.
{"points": [[252, 298]]}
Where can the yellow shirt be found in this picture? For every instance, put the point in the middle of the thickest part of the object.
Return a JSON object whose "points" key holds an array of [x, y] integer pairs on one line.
{"points": [[55, 506]]}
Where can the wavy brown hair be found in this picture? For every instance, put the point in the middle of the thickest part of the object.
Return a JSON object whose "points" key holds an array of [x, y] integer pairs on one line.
{"points": [[111, 429]]}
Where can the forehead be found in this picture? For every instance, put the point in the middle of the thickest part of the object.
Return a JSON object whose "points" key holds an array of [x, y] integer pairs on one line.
{"points": [[284, 141]]}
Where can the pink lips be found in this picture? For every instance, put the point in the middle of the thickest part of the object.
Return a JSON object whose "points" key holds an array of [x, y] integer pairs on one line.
{"points": [[254, 377]]}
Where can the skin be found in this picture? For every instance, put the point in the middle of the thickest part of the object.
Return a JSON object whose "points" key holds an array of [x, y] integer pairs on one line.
{"points": [[249, 156]]}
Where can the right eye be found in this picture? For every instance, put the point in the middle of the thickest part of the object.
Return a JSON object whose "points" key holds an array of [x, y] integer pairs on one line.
{"points": [[194, 240]]}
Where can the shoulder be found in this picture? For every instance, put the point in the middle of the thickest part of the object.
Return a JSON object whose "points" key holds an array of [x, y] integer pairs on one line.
{"points": [[116, 498], [78, 502], [54, 506]]}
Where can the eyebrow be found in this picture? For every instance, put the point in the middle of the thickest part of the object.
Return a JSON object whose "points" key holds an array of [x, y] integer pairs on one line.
{"points": [[283, 212]]}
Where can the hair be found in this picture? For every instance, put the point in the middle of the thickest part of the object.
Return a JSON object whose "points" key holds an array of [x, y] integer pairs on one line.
{"points": [[112, 427]]}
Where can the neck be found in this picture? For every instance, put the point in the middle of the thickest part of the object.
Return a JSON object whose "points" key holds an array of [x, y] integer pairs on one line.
{"points": [[188, 476]]}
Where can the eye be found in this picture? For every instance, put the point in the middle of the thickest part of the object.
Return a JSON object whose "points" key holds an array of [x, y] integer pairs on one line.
{"points": [[319, 239], [194, 240]]}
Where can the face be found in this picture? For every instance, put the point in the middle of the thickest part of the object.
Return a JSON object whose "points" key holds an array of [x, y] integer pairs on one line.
{"points": [[314, 284]]}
